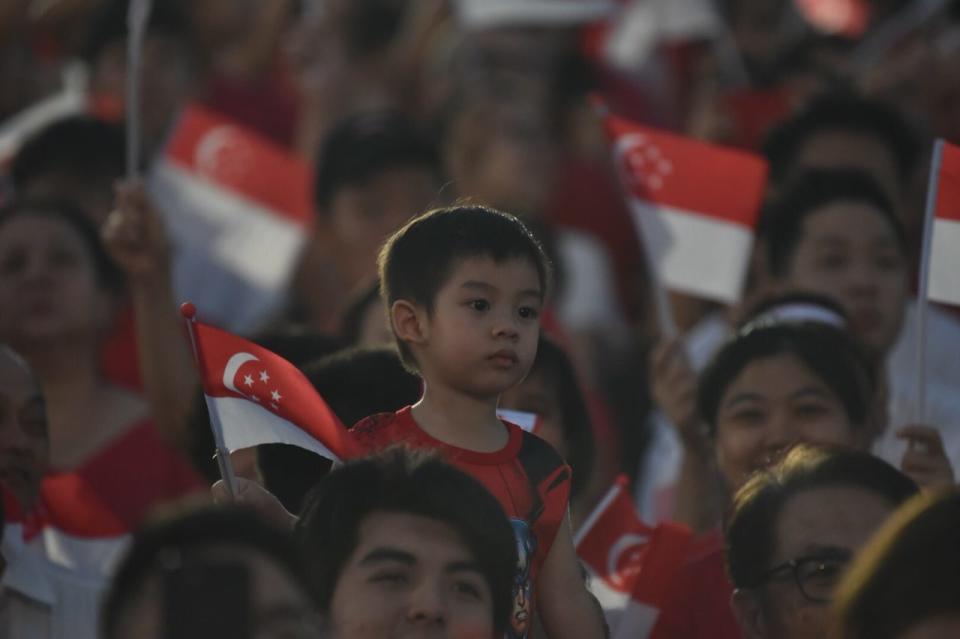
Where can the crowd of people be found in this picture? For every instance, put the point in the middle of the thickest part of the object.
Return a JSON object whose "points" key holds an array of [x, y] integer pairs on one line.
{"points": [[415, 203]]}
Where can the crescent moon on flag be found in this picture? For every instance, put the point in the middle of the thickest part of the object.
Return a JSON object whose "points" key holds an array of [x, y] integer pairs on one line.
{"points": [[233, 365], [616, 551]]}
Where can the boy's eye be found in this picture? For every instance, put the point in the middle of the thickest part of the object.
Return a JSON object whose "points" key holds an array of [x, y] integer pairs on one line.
{"points": [[479, 305], [832, 261], [528, 312], [394, 578], [467, 589]]}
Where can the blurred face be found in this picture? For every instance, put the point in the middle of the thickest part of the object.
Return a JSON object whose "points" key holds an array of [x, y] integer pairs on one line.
{"points": [[276, 605], [481, 337], [822, 528], [48, 283], [410, 576], [362, 216], [23, 430], [773, 404], [848, 252], [535, 395]]}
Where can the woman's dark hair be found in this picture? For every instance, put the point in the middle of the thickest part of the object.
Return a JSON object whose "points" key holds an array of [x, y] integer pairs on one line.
{"points": [[751, 524], [828, 352], [109, 276], [401, 481], [908, 573], [555, 367]]}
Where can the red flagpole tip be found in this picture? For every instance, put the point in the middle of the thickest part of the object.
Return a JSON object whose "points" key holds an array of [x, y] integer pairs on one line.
{"points": [[188, 310]]}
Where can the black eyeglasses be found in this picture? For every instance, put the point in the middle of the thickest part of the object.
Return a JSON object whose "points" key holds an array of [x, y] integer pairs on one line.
{"points": [[816, 577]]}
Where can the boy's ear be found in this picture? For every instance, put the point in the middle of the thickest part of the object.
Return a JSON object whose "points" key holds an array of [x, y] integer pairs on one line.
{"points": [[748, 610], [409, 322]]}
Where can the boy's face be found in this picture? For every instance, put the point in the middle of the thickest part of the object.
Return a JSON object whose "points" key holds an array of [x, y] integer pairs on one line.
{"points": [[849, 252], [481, 337]]}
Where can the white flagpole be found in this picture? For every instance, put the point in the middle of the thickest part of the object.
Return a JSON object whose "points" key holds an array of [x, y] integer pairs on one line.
{"points": [[137, 14], [189, 312], [920, 408]]}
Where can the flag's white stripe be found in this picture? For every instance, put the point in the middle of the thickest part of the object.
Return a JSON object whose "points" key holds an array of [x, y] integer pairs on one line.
{"points": [[636, 621], [523, 419], [475, 15], [695, 253], [610, 599], [246, 424], [250, 239], [83, 556], [598, 510], [945, 261]]}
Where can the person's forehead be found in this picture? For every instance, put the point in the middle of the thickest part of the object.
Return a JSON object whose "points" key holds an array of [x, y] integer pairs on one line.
{"points": [[840, 516], [518, 271], [424, 538], [847, 218]]}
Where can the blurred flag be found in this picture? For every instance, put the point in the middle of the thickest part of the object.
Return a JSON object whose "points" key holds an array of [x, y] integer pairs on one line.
{"points": [[483, 14], [257, 397], [694, 204], [529, 422], [632, 565], [238, 208], [945, 243]]}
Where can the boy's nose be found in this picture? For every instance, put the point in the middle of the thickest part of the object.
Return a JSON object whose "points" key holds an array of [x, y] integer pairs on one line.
{"points": [[426, 605]]}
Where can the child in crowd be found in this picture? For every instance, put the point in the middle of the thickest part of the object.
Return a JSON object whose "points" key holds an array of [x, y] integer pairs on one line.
{"points": [[464, 288]]}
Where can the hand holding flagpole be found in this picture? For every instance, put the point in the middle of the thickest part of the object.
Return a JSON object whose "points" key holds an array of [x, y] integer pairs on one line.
{"points": [[137, 14]]}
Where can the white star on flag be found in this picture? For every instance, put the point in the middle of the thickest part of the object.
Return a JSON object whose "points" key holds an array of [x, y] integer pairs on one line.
{"points": [[264, 377], [275, 395], [248, 380], [255, 398]]}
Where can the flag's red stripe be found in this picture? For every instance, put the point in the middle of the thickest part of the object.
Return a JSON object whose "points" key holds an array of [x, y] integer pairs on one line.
{"points": [[704, 178], [948, 187], [246, 163]]}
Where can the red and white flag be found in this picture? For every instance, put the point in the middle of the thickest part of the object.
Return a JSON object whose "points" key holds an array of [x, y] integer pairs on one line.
{"points": [[945, 244], [695, 206], [632, 565], [238, 208], [257, 397]]}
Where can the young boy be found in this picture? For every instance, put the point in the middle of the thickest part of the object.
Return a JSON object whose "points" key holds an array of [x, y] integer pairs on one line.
{"points": [[464, 287]]}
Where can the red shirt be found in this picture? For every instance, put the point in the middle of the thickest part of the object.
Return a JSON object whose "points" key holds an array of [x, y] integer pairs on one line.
{"points": [[699, 605], [529, 479]]}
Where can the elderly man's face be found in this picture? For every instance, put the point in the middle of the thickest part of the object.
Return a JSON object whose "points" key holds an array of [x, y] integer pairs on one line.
{"points": [[411, 576], [818, 532]]}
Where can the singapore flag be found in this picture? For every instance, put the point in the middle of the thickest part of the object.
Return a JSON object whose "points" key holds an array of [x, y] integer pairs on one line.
{"points": [[631, 564], [238, 209], [945, 247], [695, 206], [260, 398]]}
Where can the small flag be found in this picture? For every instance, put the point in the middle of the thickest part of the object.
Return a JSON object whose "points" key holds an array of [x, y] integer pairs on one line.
{"points": [[260, 398], [695, 206], [945, 243], [632, 565], [238, 208], [530, 422]]}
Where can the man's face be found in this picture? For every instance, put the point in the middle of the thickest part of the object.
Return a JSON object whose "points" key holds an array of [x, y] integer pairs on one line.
{"points": [[822, 528], [23, 430], [410, 576], [849, 253]]}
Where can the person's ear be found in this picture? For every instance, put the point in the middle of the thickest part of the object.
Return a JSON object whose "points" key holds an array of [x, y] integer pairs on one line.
{"points": [[748, 610], [409, 322]]}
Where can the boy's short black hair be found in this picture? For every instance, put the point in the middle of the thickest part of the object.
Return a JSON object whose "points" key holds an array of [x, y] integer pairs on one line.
{"points": [[416, 261], [414, 483], [86, 147], [109, 26], [178, 540], [782, 220], [751, 526], [828, 352], [366, 144], [847, 112]]}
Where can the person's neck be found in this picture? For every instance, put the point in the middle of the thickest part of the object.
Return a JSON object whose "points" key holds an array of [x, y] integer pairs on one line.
{"points": [[460, 419]]}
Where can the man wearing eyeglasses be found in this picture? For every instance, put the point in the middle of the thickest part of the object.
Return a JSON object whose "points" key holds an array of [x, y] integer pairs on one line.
{"points": [[794, 527]]}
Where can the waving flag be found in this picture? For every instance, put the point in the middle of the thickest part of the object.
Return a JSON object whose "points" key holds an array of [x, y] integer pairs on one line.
{"points": [[694, 204], [238, 209], [257, 397], [530, 422], [945, 244], [632, 565]]}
